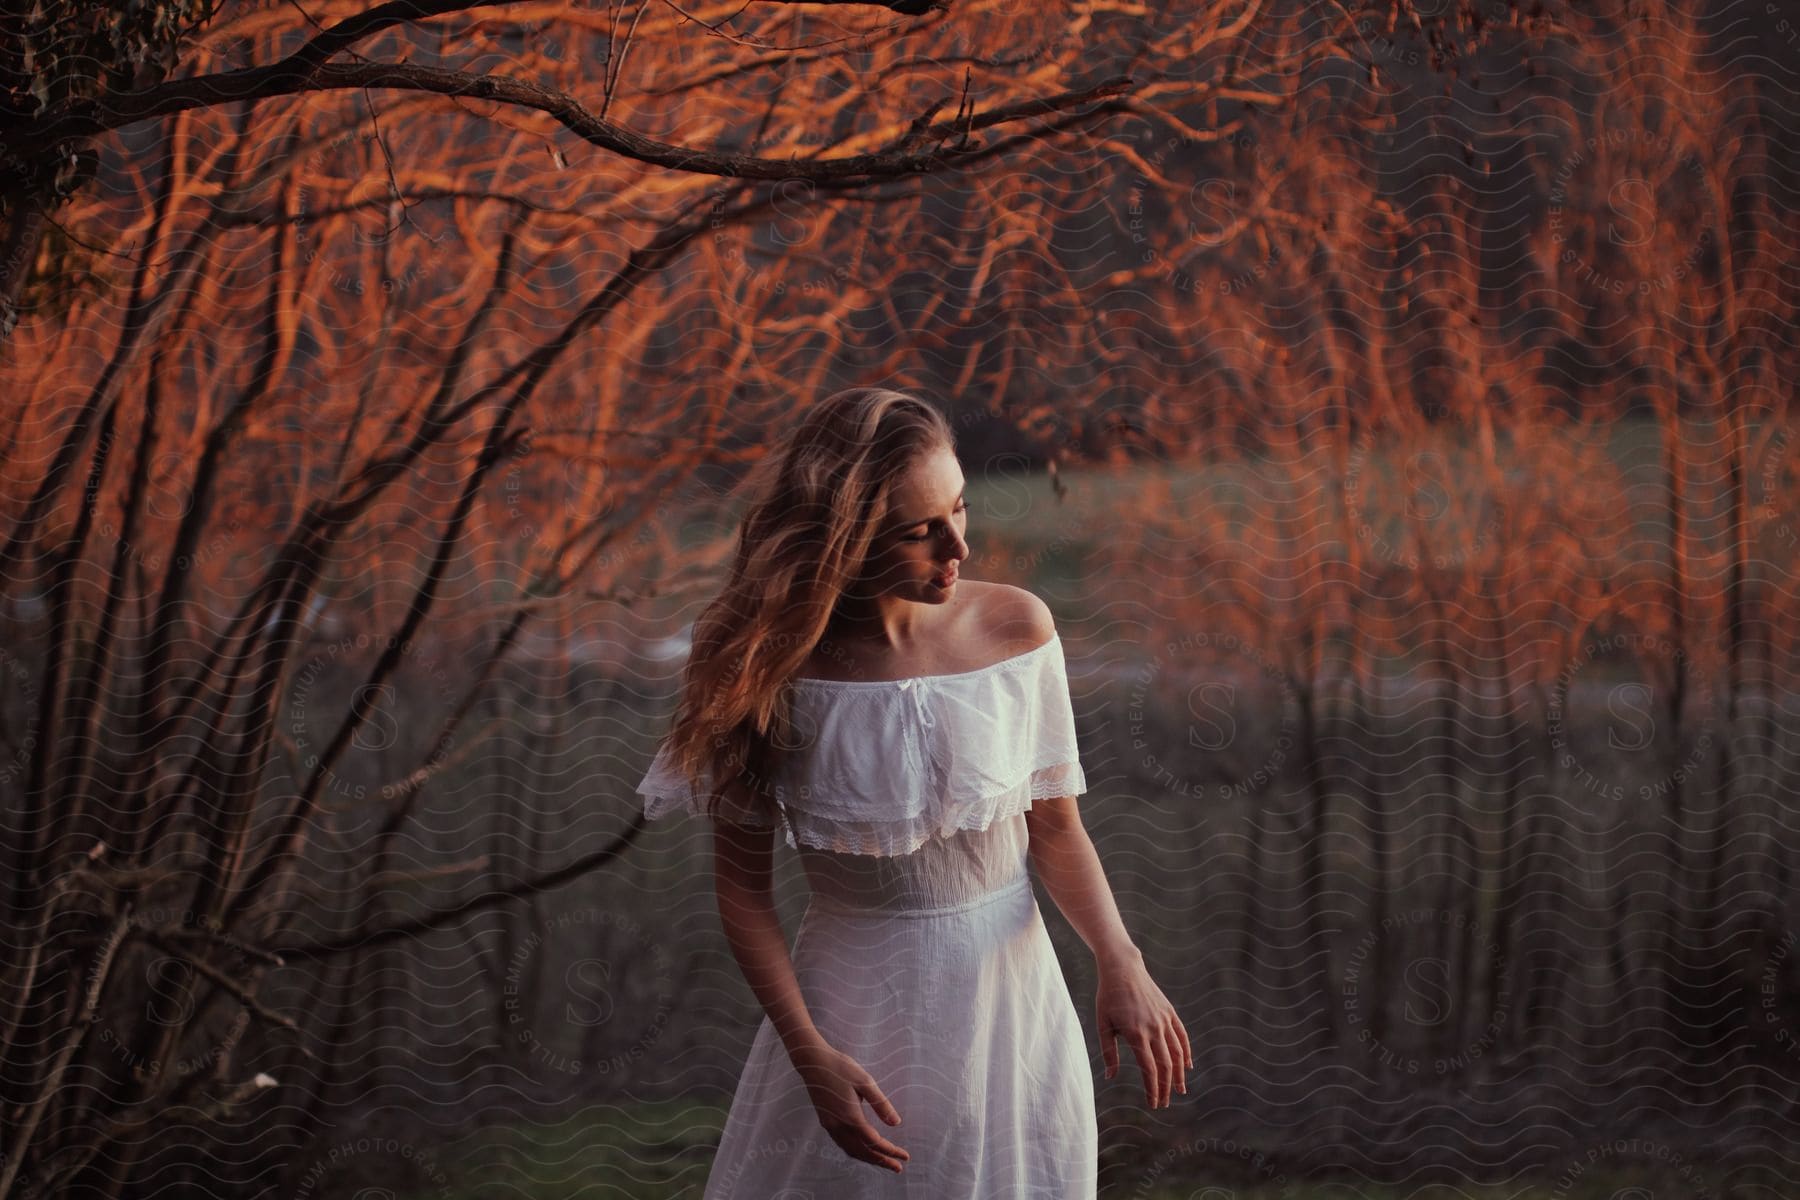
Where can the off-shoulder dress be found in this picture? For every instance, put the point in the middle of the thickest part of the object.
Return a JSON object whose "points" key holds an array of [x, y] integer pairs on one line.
{"points": [[922, 952]]}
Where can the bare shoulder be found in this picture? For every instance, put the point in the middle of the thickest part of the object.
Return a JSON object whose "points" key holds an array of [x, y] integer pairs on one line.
{"points": [[1016, 618]]}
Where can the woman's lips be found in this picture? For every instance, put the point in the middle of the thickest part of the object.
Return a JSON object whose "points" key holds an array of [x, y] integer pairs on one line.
{"points": [[944, 580]]}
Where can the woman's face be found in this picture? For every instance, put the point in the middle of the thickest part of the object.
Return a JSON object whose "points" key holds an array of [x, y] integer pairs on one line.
{"points": [[920, 541]]}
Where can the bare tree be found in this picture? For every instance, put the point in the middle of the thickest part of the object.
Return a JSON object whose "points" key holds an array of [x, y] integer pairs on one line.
{"points": [[261, 366], [427, 312]]}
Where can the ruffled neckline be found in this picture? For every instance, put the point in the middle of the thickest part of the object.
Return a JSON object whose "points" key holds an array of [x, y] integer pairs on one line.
{"points": [[1012, 661], [964, 749]]}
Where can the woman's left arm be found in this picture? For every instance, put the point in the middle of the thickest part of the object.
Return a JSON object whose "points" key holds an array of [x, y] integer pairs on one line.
{"points": [[1127, 1001]]}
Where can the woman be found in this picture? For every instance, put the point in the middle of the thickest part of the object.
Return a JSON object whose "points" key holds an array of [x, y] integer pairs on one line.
{"points": [[911, 733]]}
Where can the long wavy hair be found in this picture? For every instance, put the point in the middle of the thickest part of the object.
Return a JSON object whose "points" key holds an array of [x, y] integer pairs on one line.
{"points": [[817, 502]]}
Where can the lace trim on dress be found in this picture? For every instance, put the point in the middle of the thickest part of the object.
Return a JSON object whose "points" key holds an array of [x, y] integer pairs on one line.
{"points": [[890, 836], [890, 764], [880, 835]]}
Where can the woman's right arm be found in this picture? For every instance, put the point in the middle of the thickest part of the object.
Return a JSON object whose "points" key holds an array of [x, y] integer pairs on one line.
{"points": [[836, 1084], [743, 864]]}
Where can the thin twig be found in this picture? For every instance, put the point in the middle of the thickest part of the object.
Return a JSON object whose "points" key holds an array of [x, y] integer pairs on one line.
{"points": [[77, 1031], [408, 930], [250, 1002]]}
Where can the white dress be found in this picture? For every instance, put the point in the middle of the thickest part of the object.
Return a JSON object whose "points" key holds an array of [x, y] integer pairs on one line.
{"points": [[922, 952]]}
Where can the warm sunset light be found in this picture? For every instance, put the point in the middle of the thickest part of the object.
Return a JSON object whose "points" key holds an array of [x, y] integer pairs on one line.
{"points": [[1209, 591]]}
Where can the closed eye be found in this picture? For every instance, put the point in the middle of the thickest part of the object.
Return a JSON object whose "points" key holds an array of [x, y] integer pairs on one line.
{"points": [[919, 537]]}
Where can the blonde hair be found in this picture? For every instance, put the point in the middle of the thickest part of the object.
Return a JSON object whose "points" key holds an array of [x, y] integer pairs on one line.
{"points": [[817, 502]]}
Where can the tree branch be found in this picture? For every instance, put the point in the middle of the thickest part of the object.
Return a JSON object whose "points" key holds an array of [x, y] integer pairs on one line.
{"points": [[242, 993], [260, 83], [369, 939], [72, 1037]]}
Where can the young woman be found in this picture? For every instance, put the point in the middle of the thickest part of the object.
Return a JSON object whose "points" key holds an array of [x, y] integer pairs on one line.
{"points": [[911, 733]]}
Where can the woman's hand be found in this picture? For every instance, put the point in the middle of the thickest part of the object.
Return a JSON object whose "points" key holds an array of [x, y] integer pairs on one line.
{"points": [[1128, 1004], [837, 1085]]}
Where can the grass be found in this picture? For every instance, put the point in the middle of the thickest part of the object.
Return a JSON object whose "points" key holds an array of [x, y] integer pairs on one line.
{"points": [[643, 1151], [1592, 1186], [663, 1151]]}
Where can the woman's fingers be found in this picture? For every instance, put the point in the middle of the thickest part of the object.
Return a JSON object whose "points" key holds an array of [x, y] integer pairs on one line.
{"points": [[1177, 1057], [1149, 1024], [883, 1152], [871, 1091], [1141, 1045], [862, 1143], [873, 1094], [861, 1140], [838, 1085], [879, 1102], [1165, 1065], [1163, 1053], [879, 1150], [888, 1154], [1169, 1064]]}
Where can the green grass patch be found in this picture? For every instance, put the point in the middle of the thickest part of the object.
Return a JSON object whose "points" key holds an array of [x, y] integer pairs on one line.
{"points": [[643, 1151], [664, 1150]]}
